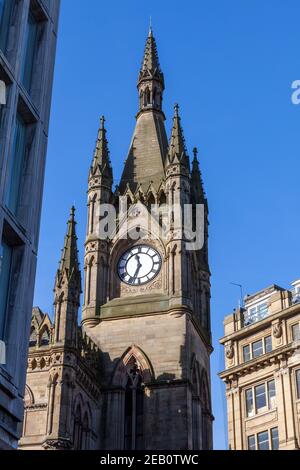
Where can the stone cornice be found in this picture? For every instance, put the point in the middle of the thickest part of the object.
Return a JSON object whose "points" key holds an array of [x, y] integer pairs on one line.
{"points": [[62, 351], [274, 357], [261, 325]]}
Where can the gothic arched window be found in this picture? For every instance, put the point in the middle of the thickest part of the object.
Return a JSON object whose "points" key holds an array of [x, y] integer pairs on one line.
{"points": [[45, 337], [85, 433], [77, 433], [148, 96], [134, 408], [89, 279], [150, 201], [154, 96], [92, 213], [141, 99], [206, 414], [162, 198], [196, 409], [33, 337]]}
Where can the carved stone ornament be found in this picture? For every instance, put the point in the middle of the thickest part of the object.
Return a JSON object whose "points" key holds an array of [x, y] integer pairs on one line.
{"points": [[229, 350], [57, 444], [277, 330]]}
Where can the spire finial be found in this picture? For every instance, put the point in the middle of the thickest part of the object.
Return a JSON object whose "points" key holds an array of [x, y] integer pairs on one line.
{"points": [[69, 257], [195, 152], [101, 155], [150, 69], [150, 26], [177, 148]]}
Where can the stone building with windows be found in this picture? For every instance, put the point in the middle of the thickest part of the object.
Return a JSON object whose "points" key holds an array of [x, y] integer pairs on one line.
{"points": [[28, 34], [136, 373], [262, 371]]}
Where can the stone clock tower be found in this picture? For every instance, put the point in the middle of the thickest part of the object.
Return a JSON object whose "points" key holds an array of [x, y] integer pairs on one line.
{"points": [[136, 373], [147, 300]]}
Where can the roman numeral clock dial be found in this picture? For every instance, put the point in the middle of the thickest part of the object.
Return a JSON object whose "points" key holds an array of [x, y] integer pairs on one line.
{"points": [[139, 265]]}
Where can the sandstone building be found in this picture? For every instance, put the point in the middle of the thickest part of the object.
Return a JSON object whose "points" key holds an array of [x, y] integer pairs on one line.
{"points": [[262, 376], [28, 34], [136, 373]]}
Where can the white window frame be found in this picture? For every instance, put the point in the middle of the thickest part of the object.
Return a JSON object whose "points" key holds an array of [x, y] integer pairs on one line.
{"points": [[292, 335], [253, 310], [297, 372], [263, 339], [270, 404], [269, 431]]}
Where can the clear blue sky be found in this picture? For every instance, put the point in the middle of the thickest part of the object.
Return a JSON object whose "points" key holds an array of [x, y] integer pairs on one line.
{"points": [[230, 65]]}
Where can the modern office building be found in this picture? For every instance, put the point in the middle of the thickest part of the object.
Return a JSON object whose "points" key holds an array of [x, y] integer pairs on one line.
{"points": [[262, 375], [28, 35]]}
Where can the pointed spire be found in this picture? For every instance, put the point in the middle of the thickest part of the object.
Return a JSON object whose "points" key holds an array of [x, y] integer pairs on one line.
{"points": [[177, 149], [101, 159], [69, 263], [150, 69], [196, 180], [150, 27]]}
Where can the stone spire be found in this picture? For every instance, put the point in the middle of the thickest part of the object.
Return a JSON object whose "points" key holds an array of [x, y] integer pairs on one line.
{"points": [[149, 145], [101, 162], [151, 82], [177, 153], [150, 66], [67, 289], [69, 264], [196, 180]]}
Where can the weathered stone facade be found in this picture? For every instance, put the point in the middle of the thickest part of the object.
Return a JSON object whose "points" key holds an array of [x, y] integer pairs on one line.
{"points": [[152, 340], [262, 376]]}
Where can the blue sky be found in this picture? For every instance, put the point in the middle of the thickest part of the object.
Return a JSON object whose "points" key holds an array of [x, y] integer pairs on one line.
{"points": [[230, 65]]}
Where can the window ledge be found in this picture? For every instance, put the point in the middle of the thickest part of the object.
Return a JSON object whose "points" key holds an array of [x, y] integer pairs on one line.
{"points": [[259, 415]]}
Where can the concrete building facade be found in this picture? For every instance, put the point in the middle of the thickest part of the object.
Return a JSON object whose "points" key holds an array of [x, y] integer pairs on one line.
{"points": [[148, 327], [262, 374], [28, 33]]}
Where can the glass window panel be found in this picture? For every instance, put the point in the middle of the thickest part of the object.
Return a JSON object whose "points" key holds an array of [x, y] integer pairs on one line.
{"points": [[30, 50], [5, 269], [263, 441], [246, 353], [6, 7], [262, 309], [296, 332], [257, 349], [268, 344], [15, 165], [272, 394], [275, 439], [298, 383], [249, 403], [260, 397], [251, 443]]}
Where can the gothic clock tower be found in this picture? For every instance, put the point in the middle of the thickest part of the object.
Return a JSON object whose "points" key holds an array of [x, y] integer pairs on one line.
{"points": [[147, 298]]}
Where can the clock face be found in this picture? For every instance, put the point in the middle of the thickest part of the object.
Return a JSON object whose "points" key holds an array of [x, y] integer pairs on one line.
{"points": [[139, 265]]}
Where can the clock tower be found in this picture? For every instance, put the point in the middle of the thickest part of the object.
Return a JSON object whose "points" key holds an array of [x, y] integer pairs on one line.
{"points": [[146, 294]]}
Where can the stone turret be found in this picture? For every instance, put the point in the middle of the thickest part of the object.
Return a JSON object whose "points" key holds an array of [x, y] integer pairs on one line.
{"points": [[95, 261], [67, 288]]}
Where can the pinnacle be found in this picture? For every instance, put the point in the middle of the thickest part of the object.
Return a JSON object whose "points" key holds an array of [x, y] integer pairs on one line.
{"points": [[177, 148], [101, 155], [69, 257]]}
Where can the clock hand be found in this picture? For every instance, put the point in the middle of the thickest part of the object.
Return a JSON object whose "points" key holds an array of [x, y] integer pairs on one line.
{"points": [[138, 266]]}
